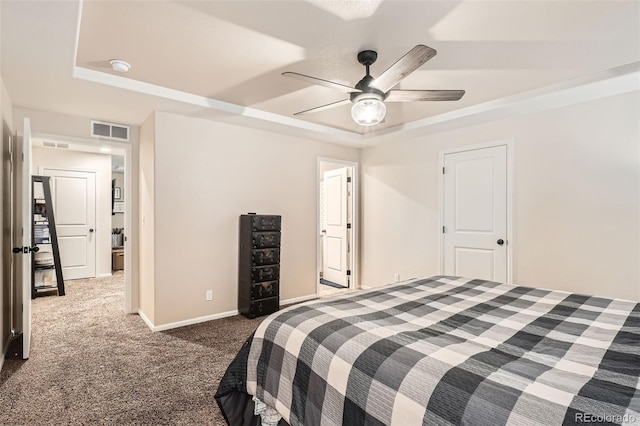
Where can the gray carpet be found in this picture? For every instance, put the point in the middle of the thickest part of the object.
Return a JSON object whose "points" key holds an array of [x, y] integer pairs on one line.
{"points": [[93, 365]]}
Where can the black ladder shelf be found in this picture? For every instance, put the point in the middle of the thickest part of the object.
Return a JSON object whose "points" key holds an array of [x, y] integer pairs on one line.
{"points": [[45, 223]]}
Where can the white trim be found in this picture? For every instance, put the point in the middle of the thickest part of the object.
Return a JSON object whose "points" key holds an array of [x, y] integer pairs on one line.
{"points": [[211, 317], [610, 82], [184, 323], [145, 319], [205, 102], [354, 282], [509, 144], [105, 275], [298, 299]]}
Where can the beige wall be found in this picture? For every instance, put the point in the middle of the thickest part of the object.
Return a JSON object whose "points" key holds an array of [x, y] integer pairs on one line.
{"points": [[146, 221], [51, 123], [117, 220], [101, 164], [6, 130], [576, 199], [209, 173]]}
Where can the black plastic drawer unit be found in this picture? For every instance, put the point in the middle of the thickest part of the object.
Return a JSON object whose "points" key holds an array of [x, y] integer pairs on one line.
{"points": [[259, 265]]}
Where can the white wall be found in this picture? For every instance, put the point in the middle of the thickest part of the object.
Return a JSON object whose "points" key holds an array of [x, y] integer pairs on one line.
{"points": [[576, 199], [101, 164], [206, 175]]}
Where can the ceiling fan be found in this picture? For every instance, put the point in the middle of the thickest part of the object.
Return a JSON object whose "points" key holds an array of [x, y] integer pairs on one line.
{"points": [[370, 94]]}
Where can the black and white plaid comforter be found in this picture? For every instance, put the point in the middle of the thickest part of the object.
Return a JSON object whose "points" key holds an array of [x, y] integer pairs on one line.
{"points": [[451, 351]]}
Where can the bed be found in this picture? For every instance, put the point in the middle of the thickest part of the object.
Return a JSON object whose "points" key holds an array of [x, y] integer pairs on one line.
{"points": [[443, 351]]}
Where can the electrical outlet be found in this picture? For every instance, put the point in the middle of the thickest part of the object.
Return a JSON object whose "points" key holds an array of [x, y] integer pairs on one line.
{"points": [[209, 294], [396, 277]]}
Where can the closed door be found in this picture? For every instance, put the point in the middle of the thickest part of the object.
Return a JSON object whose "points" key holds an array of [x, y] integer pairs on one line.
{"points": [[74, 208], [475, 214], [335, 261]]}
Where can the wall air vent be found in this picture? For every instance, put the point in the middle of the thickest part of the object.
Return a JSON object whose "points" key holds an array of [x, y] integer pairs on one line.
{"points": [[100, 129], [51, 144]]}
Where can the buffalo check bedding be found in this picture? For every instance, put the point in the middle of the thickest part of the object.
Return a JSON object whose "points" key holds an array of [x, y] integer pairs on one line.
{"points": [[443, 351]]}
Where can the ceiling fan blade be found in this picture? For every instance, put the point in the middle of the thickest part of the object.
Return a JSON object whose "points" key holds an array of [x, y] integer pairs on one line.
{"points": [[321, 82], [424, 95], [324, 107], [410, 62]]}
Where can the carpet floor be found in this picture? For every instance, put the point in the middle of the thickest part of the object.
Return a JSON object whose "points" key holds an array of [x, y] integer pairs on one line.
{"points": [[91, 364]]}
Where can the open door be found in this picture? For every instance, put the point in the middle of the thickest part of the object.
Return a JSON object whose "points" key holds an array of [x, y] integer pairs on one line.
{"points": [[22, 231], [335, 265]]}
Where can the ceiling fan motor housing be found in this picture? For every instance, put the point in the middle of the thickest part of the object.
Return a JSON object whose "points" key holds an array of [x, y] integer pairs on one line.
{"points": [[367, 57]]}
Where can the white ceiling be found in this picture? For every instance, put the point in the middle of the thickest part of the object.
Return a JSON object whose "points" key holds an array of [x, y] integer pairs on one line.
{"points": [[223, 60]]}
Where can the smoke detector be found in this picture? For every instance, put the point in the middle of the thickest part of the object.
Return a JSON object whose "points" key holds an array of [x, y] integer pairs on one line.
{"points": [[119, 65]]}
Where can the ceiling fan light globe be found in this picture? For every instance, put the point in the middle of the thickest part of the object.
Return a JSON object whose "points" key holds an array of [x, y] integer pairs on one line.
{"points": [[368, 111]]}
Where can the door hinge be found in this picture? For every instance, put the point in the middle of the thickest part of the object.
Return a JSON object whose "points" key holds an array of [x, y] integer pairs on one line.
{"points": [[348, 272], [443, 172], [348, 179], [443, 230], [348, 226]]}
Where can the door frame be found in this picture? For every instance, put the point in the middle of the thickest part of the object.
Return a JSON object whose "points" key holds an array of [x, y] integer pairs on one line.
{"points": [[354, 282], [509, 144], [130, 302]]}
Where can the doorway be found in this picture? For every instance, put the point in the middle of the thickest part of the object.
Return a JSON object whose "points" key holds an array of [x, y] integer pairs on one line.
{"points": [[111, 211], [337, 227], [476, 235]]}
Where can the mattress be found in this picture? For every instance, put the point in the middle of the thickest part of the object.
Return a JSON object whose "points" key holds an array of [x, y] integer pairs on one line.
{"points": [[441, 350]]}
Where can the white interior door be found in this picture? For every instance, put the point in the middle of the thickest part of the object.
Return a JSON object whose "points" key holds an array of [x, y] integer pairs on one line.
{"points": [[335, 263], [475, 214], [23, 223], [74, 208]]}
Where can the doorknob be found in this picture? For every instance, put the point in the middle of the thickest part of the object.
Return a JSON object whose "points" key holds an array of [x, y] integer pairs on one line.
{"points": [[90, 229], [500, 242]]}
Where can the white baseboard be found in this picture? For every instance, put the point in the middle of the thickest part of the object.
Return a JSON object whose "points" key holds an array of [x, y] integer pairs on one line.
{"points": [[145, 319], [212, 317], [366, 287], [104, 275], [298, 299], [184, 323]]}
